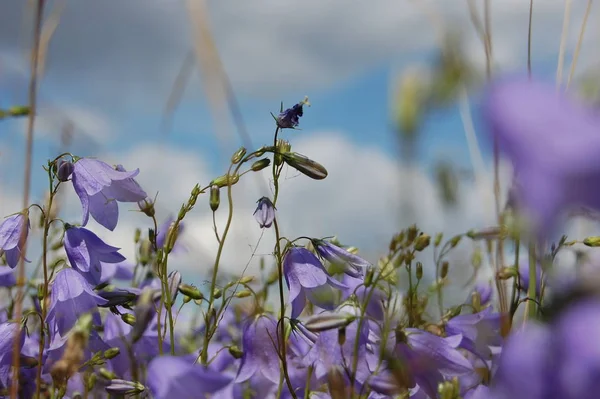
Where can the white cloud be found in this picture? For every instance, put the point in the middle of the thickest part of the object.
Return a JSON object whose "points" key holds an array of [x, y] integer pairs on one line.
{"points": [[270, 47]]}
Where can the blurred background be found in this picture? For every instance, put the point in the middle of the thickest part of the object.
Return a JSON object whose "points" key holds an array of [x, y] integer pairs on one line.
{"points": [[150, 84]]}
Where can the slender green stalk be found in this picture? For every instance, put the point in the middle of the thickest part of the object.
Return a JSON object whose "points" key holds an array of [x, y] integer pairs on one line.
{"points": [[530, 308], [588, 9], [529, 38]]}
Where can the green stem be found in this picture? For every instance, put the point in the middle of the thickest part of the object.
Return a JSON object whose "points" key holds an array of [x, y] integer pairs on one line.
{"points": [[530, 307]]}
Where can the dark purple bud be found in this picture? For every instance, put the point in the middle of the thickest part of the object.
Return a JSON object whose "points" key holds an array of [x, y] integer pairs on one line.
{"points": [[290, 118], [65, 168]]}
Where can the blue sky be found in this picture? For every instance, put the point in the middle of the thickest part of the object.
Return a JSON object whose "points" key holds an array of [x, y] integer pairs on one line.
{"points": [[111, 65]]}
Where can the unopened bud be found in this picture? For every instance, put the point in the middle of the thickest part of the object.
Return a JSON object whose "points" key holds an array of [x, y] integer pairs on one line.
{"points": [[342, 336], [592, 241], [137, 235], [190, 291], [422, 242], [107, 374], [306, 166], [124, 388], [411, 234], [444, 271], [438, 239], [455, 240], [260, 164], [65, 169], [128, 318], [369, 277], [419, 271], [238, 156], [147, 207], [217, 293], [226, 180], [506, 273], [246, 279], [112, 353], [328, 321], [174, 280], [236, 352], [243, 294], [215, 198]]}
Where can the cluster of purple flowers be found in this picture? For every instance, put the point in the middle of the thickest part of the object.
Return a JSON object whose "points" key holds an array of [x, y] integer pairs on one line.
{"points": [[100, 325]]}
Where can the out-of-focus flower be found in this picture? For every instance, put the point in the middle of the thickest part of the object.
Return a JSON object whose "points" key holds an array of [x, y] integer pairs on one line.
{"points": [[86, 252], [7, 335], [260, 345], [11, 232], [307, 278], [265, 212], [71, 297], [559, 360], [553, 143], [99, 188], [7, 277], [524, 277], [353, 265], [484, 290], [164, 231], [479, 331]]}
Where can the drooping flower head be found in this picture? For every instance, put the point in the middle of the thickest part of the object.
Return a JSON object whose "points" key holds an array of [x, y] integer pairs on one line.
{"points": [[260, 343], [350, 263], [290, 118], [86, 252], [99, 188], [307, 278], [553, 143], [177, 377], [11, 233], [71, 297], [265, 212]]}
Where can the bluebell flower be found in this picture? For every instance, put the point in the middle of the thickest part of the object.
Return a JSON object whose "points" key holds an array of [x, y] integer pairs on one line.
{"points": [[71, 296], [265, 212], [7, 277], [307, 278], [99, 188], [175, 377], [479, 331], [553, 143], [260, 343], [11, 232], [8, 331], [351, 264], [87, 252]]}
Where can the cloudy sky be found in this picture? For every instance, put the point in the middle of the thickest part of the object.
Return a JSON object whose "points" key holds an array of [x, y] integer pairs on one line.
{"points": [[111, 65]]}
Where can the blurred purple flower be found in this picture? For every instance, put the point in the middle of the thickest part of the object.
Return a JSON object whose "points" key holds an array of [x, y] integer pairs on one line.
{"points": [[119, 271], [307, 278], [175, 377], [7, 277], [71, 297], [353, 265], [560, 360], [264, 213], [429, 358], [86, 252], [524, 277], [99, 188], [553, 143], [11, 231], [260, 345], [7, 335], [479, 331]]}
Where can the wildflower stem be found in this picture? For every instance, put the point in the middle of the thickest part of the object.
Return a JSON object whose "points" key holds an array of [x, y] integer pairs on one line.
{"points": [[39, 13], [47, 223], [213, 283], [530, 306], [529, 38], [279, 261], [563, 43], [579, 42]]}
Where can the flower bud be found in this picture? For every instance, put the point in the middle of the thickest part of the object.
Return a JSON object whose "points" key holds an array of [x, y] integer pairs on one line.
{"points": [[147, 207], [226, 180], [328, 321], [215, 198], [137, 235], [112, 353], [190, 291], [260, 164], [283, 146], [342, 336], [91, 381], [107, 374], [124, 388], [506, 273], [438, 239], [238, 156], [422, 242], [411, 234], [236, 352], [19, 110], [174, 280], [444, 271], [592, 241], [128, 318], [304, 165], [65, 168], [455, 240], [246, 279], [217, 293], [419, 271], [264, 213], [243, 294]]}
